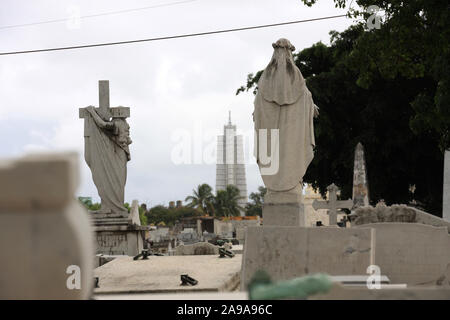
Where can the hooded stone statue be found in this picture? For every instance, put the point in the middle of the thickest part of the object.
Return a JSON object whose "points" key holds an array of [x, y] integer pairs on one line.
{"points": [[283, 103]]}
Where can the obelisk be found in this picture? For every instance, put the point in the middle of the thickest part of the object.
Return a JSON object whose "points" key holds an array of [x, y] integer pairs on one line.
{"points": [[360, 183]]}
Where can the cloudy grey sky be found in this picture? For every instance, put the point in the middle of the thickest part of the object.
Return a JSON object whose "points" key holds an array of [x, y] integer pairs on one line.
{"points": [[177, 89]]}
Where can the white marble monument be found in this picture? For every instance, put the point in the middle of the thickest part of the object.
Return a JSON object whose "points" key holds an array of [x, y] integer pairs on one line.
{"points": [[284, 136], [107, 137]]}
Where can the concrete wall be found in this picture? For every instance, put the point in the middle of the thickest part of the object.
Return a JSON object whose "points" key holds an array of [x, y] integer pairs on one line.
{"points": [[412, 253], [288, 252]]}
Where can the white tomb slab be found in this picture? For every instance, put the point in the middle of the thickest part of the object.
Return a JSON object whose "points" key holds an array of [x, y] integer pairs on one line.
{"points": [[161, 274]]}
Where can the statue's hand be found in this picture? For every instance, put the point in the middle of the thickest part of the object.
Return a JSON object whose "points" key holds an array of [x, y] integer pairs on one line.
{"points": [[90, 109], [316, 111]]}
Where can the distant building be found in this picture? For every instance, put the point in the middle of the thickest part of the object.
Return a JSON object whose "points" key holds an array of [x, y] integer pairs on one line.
{"points": [[230, 168]]}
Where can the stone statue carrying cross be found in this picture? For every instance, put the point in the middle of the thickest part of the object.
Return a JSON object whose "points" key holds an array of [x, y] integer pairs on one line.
{"points": [[332, 204], [106, 137]]}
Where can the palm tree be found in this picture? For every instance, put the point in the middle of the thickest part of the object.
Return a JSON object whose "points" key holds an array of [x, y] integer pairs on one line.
{"points": [[226, 202], [202, 199], [257, 201]]}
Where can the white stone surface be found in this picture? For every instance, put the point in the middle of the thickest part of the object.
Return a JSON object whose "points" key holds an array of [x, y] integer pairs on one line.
{"points": [[162, 274], [44, 231], [134, 213], [283, 103]]}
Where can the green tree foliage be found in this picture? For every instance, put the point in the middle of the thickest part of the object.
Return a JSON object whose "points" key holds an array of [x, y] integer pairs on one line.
{"points": [[202, 199], [225, 202], [168, 216], [387, 88], [412, 43], [142, 216], [254, 207], [87, 202]]}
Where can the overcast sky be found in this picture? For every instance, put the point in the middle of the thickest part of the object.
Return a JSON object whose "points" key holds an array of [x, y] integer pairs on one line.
{"points": [[176, 89]]}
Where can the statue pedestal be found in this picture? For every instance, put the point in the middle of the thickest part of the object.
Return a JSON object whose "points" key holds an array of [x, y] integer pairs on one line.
{"points": [[116, 235], [284, 248], [284, 209]]}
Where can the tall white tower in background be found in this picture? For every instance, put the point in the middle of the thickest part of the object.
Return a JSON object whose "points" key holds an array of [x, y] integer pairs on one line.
{"points": [[230, 168]]}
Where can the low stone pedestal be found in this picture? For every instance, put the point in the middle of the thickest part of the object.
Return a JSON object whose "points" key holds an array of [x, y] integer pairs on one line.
{"points": [[284, 209], [116, 235]]}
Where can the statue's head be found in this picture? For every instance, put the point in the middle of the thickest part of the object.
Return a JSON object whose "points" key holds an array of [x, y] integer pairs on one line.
{"points": [[282, 59], [283, 44], [281, 81]]}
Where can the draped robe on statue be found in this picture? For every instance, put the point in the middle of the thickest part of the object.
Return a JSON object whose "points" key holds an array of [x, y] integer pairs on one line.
{"points": [[284, 102], [107, 160]]}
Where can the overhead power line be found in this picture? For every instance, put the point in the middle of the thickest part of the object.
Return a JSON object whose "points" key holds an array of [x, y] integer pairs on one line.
{"points": [[170, 37], [97, 15]]}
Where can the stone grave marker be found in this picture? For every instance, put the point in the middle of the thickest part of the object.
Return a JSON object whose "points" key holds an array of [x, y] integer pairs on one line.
{"points": [[332, 205]]}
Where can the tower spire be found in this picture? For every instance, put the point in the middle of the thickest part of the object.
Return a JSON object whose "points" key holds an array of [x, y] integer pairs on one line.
{"points": [[229, 117]]}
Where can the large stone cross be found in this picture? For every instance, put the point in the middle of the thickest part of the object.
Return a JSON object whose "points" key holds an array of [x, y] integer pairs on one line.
{"points": [[104, 111], [332, 204]]}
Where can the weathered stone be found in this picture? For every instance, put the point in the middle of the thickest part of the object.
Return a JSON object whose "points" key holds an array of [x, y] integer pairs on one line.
{"points": [[46, 181], [283, 115], [360, 185], [412, 253], [284, 109], [106, 150], [284, 208], [332, 204], [162, 274], [317, 217], [286, 214], [134, 213], [119, 239], [45, 235], [288, 252], [199, 248], [396, 213]]}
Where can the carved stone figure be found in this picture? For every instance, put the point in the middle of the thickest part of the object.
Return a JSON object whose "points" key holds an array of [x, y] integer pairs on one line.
{"points": [[107, 136], [283, 107]]}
